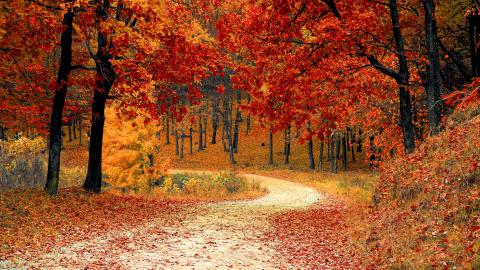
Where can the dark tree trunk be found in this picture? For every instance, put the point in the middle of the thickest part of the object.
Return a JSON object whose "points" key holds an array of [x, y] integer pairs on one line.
{"points": [[433, 84], [2, 133], [402, 77], [311, 159], [288, 134], [55, 139], [80, 131], [473, 36], [270, 147], [406, 120], [105, 79], [372, 152], [214, 121], [70, 132], [336, 153], [404, 93], [177, 146], [93, 182], [344, 154], [238, 119], [74, 128], [200, 131], [320, 158], [183, 143], [205, 125], [249, 99], [359, 141], [191, 140], [167, 133]]}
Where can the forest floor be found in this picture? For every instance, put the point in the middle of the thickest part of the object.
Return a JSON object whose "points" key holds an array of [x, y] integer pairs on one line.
{"points": [[271, 232]]}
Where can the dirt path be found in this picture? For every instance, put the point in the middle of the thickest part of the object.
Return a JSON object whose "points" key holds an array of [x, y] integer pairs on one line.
{"points": [[214, 236]]}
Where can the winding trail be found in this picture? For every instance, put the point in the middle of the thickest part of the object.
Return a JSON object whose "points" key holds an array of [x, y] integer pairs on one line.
{"points": [[230, 235]]}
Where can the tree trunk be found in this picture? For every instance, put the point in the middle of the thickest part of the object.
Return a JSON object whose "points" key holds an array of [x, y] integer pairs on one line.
{"points": [[336, 153], [433, 85], [74, 129], [105, 79], [70, 132], [359, 141], [55, 139], [310, 149], [320, 158], [331, 150], [200, 131], [183, 143], [214, 121], [238, 119], [177, 146], [93, 182], [344, 154], [288, 132], [191, 141], [80, 131], [205, 125], [249, 99], [167, 133], [406, 120], [404, 93], [270, 146]]}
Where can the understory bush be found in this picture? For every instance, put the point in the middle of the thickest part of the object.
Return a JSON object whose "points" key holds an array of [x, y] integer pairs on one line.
{"points": [[22, 163], [224, 184]]}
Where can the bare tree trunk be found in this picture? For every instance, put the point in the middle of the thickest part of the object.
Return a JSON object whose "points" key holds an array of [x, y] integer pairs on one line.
{"points": [[344, 154], [200, 131], [55, 139], [310, 148], [167, 127], [183, 142], [191, 140], [270, 146], [433, 85], [320, 158], [287, 144]]}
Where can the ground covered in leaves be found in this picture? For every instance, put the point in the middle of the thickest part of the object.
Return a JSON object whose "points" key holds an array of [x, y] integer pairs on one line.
{"points": [[292, 227], [426, 212], [32, 223], [316, 238]]}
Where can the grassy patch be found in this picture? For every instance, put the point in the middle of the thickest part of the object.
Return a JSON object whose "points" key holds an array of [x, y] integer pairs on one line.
{"points": [[202, 187]]}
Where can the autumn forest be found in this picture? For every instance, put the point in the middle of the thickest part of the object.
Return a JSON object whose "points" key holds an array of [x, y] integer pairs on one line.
{"points": [[246, 134]]}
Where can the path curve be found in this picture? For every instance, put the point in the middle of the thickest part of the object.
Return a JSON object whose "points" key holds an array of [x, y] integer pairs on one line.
{"points": [[230, 235]]}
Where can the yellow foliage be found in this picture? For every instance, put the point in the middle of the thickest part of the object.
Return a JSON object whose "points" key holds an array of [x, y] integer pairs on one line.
{"points": [[131, 152]]}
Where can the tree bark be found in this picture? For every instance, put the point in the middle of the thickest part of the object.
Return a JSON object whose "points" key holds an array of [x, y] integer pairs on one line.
{"points": [[288, 135], [270, 147], [214, 121], [167, 126], [105, 78], [310, 149], [183, 143], [200, 131], [320, 158], [55, 139], [238, 119], [191, 140], [433, 84], [344, 152]]}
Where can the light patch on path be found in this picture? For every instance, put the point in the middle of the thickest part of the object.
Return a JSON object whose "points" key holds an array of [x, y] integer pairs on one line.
{"points": [[231, 235]]}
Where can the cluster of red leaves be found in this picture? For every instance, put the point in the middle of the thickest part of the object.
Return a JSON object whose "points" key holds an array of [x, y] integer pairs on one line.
{"points": [[427, 211], [316, 238], [32, 223]]}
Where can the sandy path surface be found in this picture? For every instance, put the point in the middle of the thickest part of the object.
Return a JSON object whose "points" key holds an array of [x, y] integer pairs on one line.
{"points": [[231, 235]]}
